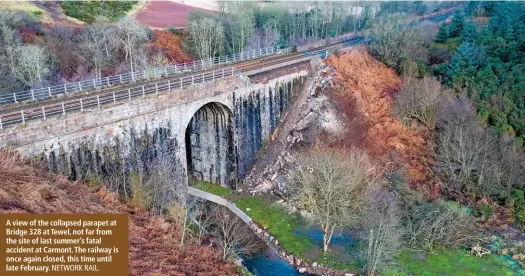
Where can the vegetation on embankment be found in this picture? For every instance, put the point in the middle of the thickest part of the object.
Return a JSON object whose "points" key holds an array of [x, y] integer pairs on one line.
{"points": [[35, 55], [403, 153], [153, 241], [478, 59], [289, 227], [88, 11], [449, 262], [211, 188], [25, 6]]}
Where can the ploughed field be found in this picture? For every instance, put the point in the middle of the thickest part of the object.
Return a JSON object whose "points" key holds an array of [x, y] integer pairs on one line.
{"points": [[162, 14]]}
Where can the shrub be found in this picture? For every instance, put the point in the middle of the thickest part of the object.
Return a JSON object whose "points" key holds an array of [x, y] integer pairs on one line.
{"points": [[518, 196], [395, 39], [141, 193], [440, 224], [486, 211], [88, 10], [419, 99], [175, 30], [520, 217]]}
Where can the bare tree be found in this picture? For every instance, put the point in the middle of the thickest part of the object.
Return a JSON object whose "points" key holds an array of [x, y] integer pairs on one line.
{"points": [[240, 19], [395, 39], [330, 185], [266, 38], [9, 46], [439, 225], [206, 36], [33, 64], [419, 99], [165, 189], [9, 22], [96, 49], [382, 229], [472, 157], [9, 43], [62, 42], [132, 36], [232, 234], [507, 167], [463, 147]]}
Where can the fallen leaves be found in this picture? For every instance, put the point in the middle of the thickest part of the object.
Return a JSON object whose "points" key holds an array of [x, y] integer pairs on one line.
{"points": [[153, 242], [368, 85], [171, 45]]}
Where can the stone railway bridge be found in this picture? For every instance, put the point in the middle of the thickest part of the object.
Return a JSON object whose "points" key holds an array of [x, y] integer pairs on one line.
{"points": [[212, 131]]}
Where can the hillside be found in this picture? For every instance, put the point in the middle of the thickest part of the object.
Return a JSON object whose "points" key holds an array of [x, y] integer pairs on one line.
{"points": [[366, 88], [26, 189]]}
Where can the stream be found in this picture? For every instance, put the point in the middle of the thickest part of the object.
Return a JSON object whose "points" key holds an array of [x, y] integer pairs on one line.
{"points": [[267, 263]]}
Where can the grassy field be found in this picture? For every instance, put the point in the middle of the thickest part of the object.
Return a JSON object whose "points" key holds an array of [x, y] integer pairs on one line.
{"points": [[38, 13], [279, 222], [270, 215], [211, 188], [87, 11], [450, 262], [286, 226]]}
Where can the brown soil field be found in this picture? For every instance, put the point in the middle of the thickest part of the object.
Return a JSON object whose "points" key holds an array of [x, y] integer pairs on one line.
{"points": [[162, 14]]}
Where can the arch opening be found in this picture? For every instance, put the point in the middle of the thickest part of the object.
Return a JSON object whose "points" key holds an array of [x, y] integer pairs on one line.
{"points": [[210, 146]]}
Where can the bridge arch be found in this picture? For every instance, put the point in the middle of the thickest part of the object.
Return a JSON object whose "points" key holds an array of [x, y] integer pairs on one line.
{"points": [[209, 140]]}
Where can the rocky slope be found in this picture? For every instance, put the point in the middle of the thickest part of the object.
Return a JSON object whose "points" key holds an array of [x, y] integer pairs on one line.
{"points": [[347, 103]]}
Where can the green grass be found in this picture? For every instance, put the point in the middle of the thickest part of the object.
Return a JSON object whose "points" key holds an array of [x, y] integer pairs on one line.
{"points": [[36, 12], [211, 188], [450, 262], [272, 216], [279, 222], [87, 10], [283, 225]]}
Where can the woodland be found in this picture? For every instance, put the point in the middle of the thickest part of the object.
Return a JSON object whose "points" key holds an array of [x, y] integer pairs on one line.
{"points": [[431, 165]]}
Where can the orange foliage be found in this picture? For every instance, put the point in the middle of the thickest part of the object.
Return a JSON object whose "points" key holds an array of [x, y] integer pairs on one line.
{"points": [[368, 86], [170, 44], [153, 242]]}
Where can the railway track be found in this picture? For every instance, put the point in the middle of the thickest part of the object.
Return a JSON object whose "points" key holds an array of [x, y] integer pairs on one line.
{"points": [[243, 67], [12, 115], [97, 100], [20, 114]]}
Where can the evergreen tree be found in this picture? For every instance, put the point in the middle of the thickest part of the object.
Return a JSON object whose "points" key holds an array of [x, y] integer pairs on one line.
{"points": [[469, 33], [456, 26], [464, 64], [442, 34]]}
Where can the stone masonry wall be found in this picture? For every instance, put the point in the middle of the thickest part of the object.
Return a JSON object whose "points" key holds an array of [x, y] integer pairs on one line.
{"points": [[122, 138]]}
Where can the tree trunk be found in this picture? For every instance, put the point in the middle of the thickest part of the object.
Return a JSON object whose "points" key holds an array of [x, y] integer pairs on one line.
{"points": [[326, 237]]}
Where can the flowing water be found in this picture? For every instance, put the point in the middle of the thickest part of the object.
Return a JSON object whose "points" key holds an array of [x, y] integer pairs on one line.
{"points": [[267, 263]]}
